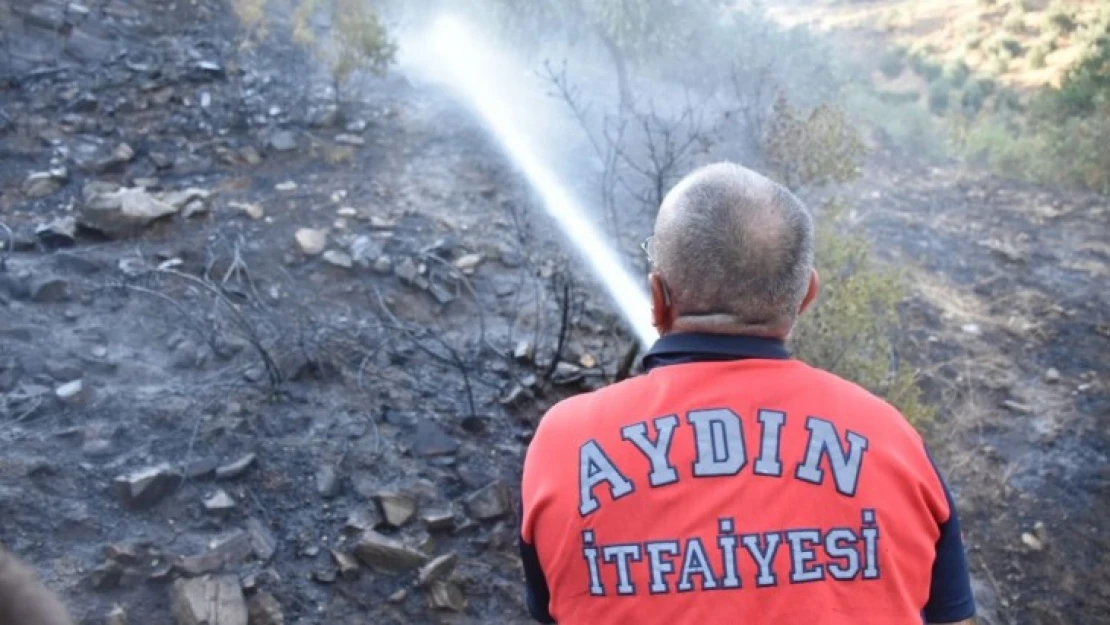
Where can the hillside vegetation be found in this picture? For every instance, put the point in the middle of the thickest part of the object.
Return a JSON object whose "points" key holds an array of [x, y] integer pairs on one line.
{"points": [[1022, 86]]}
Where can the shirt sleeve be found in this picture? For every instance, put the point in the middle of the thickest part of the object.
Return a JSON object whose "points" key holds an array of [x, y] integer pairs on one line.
{"points": [[950, 596], [536, 593]]}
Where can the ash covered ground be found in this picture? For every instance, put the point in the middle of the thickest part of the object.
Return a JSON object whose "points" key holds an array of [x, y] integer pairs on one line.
{"points": [[257, 347]]}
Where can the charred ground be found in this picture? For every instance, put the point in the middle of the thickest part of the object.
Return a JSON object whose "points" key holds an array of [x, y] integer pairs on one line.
{"points": [[384, 368]]}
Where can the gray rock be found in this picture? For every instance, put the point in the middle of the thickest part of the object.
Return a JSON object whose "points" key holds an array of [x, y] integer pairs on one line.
{"points": [[61, 231], [362, 520], [200, 468], [98, 448], [49, 289], [219, 502], [185, 197], [124, 553], [122, 153], [397, 509], [324, 116], [43, 183], [210, 69], [567, 373], [120, 212], [388, 555], [237, 468], [365, 251], [346, 139], [311, 241], [443, 595], [438, 569], [432, 440], [1052, 375], [262, 541], [117, 616], [71, 392], [209, 601], [148, 486], [468, 262], [264, 609], [438, 519], [327, 482], [231, 549], [407, 271], [524, 351], [48, 15], [442, 294], [89, 47], [338, 259], [346, 563], [85, 102], [98, 158], [250, 155], [491, 502], [384, 265], [283, 141], [106, 576]]}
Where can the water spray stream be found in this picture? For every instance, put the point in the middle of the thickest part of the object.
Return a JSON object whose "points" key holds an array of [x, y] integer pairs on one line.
{"points": [[461, 63]]}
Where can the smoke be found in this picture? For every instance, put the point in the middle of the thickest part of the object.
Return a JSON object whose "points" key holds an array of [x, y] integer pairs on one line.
{"points": [[505, 98]]}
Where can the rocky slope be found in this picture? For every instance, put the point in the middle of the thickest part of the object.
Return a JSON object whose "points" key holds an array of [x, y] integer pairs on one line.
{"points": [[262, 359]]}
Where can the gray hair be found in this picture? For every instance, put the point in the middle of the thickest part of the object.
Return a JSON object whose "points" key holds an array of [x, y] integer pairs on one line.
{"points": [[728, 241]]}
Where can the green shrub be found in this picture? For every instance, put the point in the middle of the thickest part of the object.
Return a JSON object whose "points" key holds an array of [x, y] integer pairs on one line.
{"points": [[1014, 22], [938, 97], [892, 63], [1087, 83], [972, 98], [812, 149], [957, 73], [899, 119], [1038, 57], [929, 70], [1059, 20], [1009, 100], [1074, 151], [986, 85], [850, 328], [1008, 48], [898, 97]]}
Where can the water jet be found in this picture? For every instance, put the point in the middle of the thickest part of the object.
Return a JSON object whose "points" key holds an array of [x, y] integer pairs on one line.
{"points": [[456, 56]]}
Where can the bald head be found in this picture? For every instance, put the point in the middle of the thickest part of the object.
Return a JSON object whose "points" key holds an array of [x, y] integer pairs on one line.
{"points": [[729, 242]]}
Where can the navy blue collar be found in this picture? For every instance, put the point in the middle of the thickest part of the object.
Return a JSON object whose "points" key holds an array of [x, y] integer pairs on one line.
{"points": [[675, 349]]}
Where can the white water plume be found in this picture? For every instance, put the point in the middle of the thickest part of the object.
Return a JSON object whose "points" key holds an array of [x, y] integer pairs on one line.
{"points": [[454, 54]]}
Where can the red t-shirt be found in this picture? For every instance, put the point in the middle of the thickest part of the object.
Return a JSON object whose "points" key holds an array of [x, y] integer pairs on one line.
{"points": [[742, 491]]}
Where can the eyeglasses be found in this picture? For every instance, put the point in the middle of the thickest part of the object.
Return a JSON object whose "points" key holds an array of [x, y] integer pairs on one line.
{"points": [[648, 246]]}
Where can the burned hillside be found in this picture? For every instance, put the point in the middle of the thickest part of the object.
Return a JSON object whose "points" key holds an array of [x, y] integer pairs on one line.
{"points": [[265, 343]]}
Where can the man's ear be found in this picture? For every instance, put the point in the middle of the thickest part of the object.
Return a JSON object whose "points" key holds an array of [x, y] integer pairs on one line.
{"points": [[811, 292], [662, 309]]}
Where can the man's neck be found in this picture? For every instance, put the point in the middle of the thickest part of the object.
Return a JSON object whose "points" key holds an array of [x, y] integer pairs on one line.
{"points": [[730, 325]]}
